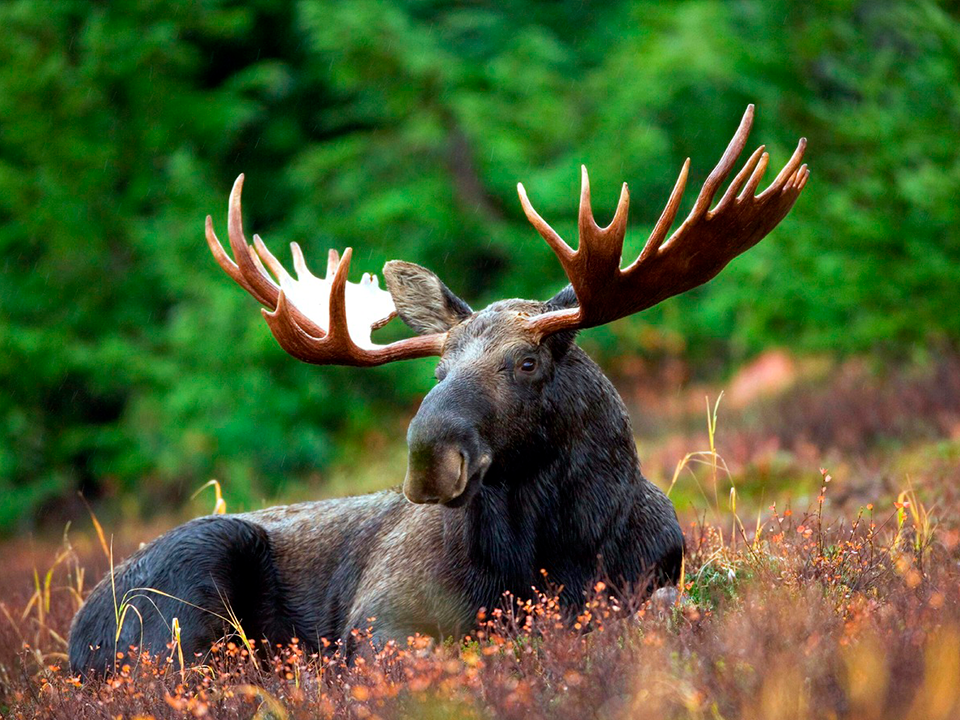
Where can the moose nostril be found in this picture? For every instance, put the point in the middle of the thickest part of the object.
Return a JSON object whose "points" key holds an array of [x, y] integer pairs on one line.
{"points": [[416, 493], [436, 474]]}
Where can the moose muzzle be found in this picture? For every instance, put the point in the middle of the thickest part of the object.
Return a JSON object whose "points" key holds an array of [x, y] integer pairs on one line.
{"points": [[436, 477], [447, 460]]}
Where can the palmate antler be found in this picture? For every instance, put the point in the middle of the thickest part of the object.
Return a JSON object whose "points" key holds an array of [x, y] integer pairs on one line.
{"points": [[698, 250], [324, 321], [329, 320]]}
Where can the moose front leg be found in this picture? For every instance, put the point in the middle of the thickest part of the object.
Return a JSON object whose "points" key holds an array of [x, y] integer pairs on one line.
{"points": [[407, 599]]}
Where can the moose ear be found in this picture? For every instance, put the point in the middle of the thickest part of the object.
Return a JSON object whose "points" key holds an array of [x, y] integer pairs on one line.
{"points": [[423, 301], [564, 299]]}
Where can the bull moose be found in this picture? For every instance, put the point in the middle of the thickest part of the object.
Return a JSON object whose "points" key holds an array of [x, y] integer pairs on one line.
{"points": [[521, 458]]}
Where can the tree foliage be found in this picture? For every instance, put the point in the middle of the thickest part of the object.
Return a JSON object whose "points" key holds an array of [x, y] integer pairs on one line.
{"points": [[400, 127]]}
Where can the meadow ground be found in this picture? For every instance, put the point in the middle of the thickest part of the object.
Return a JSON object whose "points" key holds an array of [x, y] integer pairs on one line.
{"points": [[822, 580]]}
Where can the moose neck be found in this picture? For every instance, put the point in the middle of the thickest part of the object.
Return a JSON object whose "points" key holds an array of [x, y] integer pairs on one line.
{"points": [[549, 503]]}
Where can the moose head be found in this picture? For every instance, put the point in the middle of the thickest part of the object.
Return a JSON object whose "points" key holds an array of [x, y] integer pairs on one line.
{"points": [[495, 363]]}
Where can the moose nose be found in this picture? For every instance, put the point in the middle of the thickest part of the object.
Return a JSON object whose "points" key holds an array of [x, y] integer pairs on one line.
{"points": [[447, 453], [435, 474]]}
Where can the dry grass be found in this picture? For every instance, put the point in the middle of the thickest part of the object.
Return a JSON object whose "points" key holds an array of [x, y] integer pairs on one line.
{"points": [[856, 617], [822, 610]]}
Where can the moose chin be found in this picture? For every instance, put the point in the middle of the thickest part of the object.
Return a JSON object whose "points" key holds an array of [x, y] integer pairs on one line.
{"points": [[521, 457]]}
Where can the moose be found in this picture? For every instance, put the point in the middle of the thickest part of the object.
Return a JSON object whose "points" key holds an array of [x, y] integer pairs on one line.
{"points": [[521, 459]]}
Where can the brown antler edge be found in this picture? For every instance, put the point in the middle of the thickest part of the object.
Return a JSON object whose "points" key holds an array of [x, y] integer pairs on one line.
{"points": [[702, 246], [322, 337]]}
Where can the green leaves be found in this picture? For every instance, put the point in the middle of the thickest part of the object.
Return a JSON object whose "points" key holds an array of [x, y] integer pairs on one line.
{"points": [[128, 360]]}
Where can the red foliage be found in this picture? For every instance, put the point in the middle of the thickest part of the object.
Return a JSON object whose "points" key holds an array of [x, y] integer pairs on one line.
{"points": [[808, 619]]}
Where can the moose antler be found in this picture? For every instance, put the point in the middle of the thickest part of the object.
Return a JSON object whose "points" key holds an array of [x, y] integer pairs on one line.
{"points": [[698, 250], [329, 320], [309, 316]]}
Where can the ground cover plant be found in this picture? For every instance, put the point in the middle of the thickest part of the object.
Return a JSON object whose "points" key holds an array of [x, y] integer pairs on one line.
{"points": [[812, 602], [799, 617]]}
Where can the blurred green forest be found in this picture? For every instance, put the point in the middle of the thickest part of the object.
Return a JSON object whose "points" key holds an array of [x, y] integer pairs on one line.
{"points": [[129, 361]]}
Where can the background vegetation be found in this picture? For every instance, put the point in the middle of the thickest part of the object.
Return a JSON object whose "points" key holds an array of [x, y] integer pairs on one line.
{"points": [[129, 361]]}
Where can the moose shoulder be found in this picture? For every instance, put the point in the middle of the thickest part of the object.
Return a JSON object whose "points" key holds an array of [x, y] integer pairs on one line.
{"points": [[521, 458]]}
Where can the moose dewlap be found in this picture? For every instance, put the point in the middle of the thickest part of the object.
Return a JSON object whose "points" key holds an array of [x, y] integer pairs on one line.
{"points": [[521, 458]]}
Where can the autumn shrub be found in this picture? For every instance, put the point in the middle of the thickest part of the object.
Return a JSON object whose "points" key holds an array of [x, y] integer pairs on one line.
{"points": [[804, 615]]}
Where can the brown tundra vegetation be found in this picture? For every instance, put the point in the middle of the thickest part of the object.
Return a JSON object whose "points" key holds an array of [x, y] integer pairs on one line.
{"points": [[831, 597]]}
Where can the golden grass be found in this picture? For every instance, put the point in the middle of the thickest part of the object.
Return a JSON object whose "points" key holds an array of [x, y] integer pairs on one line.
{"points": [[844, 606]]}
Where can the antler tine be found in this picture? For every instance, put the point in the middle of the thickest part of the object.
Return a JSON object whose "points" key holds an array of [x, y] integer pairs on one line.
{"points": [[667, 217], [257, 261], [333, 260], [619, 221], [228, 266], [556, 243], [299, 263], [747, 171], [788, 169], [338, 297], [260, 281], [727, 161], [585, 221], [604, 243], [270, 260], [750, 189]]}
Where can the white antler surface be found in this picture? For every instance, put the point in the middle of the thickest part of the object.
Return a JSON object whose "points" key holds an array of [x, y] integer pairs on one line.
{"points": [[368, 306]]}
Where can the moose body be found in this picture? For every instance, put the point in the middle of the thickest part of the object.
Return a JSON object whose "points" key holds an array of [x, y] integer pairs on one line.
{"points": [[564, 496], [522, 467]]}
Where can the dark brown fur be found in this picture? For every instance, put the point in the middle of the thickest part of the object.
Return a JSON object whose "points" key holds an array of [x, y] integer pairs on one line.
{"points": [[517, 470]]}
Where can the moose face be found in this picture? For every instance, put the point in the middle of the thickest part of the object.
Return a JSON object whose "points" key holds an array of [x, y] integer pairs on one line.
{"points": [[491, 379]]}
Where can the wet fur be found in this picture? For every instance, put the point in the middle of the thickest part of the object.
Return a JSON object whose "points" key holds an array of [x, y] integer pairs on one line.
{"points": [[564, 494]]}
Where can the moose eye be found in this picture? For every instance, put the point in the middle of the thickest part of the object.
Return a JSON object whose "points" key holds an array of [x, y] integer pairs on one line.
{"points": [[528, 364]]}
